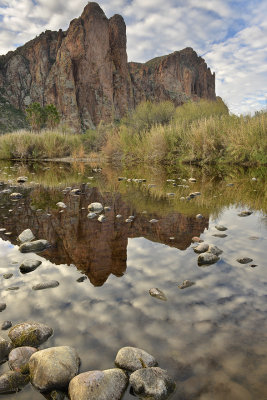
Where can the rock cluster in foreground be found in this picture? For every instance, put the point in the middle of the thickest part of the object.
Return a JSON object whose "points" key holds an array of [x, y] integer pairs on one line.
{"points": [[55, 370]]}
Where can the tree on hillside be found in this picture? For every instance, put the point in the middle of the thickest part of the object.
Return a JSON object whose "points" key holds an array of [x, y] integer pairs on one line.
{"points": [[39, 116], [52, 117], [35, 116]]}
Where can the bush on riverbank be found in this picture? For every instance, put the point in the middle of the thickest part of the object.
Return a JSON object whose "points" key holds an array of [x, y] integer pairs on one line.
{"points": [[196, 132]]}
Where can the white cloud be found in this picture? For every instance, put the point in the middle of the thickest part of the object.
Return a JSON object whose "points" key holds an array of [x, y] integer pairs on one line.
{"points": [[232, 35]]}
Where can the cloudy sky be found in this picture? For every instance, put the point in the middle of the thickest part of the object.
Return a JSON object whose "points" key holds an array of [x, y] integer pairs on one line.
{"points": [[230, 34]]}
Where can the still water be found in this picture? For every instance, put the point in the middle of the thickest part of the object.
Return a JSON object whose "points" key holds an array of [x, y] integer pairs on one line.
{"points": [[211, 337]]}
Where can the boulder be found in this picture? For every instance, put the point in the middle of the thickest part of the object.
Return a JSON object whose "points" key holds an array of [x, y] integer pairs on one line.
{"points": [[45, 285], [207, 258], [98, 385], [53, 368], [152, 383], [18, 359], [29, 265], [5, 348], [132, 358], [26, 236], [12, 382], [29, 334], [35, 247]]}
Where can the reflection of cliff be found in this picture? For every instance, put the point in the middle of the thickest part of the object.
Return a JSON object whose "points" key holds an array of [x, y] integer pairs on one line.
{"points": [[97, 249]]}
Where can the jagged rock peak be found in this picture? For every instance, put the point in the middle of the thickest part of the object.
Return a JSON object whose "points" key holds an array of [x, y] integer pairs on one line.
{"points": [[84, 72]]}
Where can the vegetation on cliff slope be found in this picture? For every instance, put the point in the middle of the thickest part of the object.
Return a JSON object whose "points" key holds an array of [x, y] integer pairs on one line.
{"points": [[200, 132]]}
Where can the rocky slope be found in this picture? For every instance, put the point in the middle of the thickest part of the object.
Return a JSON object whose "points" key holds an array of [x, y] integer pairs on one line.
{"points": [[84, 72]]}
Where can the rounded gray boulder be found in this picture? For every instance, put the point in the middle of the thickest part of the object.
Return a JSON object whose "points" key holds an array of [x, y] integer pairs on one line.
{"points": [[98, 385], [132, 359], [152, 383], [35, 246], [18, 359], [29, 334], [53, 368], [12, 382]]}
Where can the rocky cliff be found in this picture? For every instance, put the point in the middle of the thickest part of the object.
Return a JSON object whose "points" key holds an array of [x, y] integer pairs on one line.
{"points": [[84, 72]]}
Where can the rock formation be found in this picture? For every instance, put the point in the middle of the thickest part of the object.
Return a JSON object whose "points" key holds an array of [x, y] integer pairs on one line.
{"points": [[84, 72]]}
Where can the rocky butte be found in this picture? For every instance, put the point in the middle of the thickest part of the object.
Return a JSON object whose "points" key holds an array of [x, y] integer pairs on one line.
{"points": [[85, 73]]}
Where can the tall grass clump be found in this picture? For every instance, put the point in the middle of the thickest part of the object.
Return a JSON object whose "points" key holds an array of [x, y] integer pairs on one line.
{"points": [[31, 145], [202, 132]]}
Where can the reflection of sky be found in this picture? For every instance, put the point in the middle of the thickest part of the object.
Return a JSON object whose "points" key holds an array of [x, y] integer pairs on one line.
{"points": [[211, 337]]}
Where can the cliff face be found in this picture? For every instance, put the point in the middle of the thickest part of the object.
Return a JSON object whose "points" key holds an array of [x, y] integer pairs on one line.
{"points": [[84, 72]]}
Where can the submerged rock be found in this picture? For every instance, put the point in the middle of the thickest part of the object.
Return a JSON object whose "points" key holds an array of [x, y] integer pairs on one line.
{"points": [[244, 260], [201, 248], [12, 382], [81, 279], [95, 207], [7, 276], [2, 306], [207, 258], [29, 266], [186, 284], [18, 359], [6, 325], [152, 383], [53, 368], [155, 292], [26, 236], [29, 334], [220, 235], [45, 285], [109, 384], [35, 246], [132, 359], [214, 250], [221, 228]]}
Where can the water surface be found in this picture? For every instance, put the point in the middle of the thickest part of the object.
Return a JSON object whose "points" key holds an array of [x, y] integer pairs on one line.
{"points": [[211, 337]]}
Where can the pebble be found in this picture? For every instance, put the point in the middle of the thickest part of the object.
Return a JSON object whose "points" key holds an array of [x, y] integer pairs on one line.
{"points": [[7, 276], [101, 218], [2, 306], [60, 204], [245, 213], [185, 284], [155, 292], [196, 239], [220, 235], [199, 216], [221, 228], [154, 221], [201, 248]]}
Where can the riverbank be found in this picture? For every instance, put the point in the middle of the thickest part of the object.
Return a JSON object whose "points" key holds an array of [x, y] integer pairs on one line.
{"points": [[197, 133]]}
